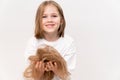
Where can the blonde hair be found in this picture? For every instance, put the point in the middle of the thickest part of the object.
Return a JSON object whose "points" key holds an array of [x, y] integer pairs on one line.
{"points": [[38, 21], [47, 54]]}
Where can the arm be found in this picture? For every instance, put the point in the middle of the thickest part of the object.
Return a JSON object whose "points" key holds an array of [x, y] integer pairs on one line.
{"points": [[30, 50], [70, 57]]}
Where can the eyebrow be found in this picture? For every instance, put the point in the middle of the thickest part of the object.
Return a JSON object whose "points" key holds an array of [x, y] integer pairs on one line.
{"points": [[51, 13]]}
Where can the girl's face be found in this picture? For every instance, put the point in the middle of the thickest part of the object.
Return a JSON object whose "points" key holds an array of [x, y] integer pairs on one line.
{"points": [[51, 20]]}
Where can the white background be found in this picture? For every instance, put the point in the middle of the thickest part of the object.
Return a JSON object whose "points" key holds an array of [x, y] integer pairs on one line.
{"points": [[94, 24]]}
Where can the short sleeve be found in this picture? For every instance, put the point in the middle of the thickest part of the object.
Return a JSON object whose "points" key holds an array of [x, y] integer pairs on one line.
{"points": [[70, 56], [30, 49]]}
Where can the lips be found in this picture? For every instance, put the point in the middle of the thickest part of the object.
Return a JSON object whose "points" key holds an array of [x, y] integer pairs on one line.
{"points": [[50, 25]]}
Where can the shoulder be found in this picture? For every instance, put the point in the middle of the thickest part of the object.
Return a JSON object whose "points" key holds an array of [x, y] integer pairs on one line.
{"points": [[68, 39], [33, 41], [69, 45]]}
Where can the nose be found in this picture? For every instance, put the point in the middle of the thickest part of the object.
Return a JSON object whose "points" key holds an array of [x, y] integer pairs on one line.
{"points": [[49, 18]]}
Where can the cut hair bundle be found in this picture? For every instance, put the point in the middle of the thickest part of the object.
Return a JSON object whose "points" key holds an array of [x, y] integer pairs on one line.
{"points": [[47, 54]]}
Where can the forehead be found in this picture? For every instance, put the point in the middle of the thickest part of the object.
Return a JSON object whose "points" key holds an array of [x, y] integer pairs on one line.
{"points": [[50, 9]]}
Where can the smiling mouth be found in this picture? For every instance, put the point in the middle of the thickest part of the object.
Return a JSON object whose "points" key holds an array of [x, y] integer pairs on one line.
{"points": [[50, 25]]}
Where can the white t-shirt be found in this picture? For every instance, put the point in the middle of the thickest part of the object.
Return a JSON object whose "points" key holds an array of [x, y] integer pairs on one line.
{"points": [[64, 45]]}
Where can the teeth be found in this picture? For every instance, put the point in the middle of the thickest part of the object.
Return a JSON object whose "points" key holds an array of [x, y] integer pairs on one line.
{"points": [[49, 24]]}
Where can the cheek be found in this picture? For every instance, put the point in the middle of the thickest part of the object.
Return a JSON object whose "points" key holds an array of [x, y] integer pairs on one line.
{"points": [[58, 21], [43, 21]]}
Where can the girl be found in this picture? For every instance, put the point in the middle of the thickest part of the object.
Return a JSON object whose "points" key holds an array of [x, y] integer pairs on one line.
{"points": [[49, 30]]}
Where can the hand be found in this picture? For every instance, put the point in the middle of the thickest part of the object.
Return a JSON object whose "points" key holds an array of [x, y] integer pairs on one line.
{"points": [[40, 67], [53, 67]]}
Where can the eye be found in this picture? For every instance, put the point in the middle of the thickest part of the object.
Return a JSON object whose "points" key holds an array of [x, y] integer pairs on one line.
{"points": [[54, 15], [44, 16]]}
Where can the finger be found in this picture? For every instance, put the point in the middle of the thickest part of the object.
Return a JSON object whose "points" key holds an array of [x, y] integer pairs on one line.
{"points": [[37, 65], [55, 65], [48, 66], [50, 63], [41, 65], [46, 69]]}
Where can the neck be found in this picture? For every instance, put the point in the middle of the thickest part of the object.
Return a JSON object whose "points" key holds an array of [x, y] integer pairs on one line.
{"points": [[51, 37]]}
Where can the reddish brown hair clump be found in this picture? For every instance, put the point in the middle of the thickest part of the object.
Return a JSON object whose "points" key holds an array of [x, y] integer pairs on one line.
{"points": [[47, 54]]}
